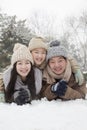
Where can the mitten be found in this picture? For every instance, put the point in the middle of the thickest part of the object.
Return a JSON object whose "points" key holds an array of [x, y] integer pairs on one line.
{"points": [[79, 77], [23, 97], [59, 88]]}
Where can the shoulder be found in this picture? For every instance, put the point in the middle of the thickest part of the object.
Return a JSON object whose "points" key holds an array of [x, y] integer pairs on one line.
{"points": [[6, 76], [7, 71]]}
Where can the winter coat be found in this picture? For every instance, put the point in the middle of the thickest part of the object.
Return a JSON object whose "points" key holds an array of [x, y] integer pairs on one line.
{"points": [[38, 79], [19, 84], [74, 91]]}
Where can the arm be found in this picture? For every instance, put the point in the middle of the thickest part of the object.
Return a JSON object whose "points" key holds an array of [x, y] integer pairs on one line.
{"points": [[76, 70], [73, 63], [74, 93], [69, 93], [46, 91]]}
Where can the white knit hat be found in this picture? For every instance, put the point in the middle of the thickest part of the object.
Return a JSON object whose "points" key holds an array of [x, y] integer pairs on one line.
{"points": [[37, 42], [21, 52]]}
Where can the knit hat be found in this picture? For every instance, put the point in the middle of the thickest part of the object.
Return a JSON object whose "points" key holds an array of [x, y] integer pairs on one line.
{"points": [[56, 49], [55, 43], [37, 42], [21, 52]]}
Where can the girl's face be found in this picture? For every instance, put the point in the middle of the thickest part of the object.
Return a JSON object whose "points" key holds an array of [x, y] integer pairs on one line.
{"points": [[39, 55], [57, 64], [23, 67]]}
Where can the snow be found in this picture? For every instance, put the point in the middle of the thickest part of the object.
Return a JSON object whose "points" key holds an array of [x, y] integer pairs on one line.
{"points": [[44, 115]]}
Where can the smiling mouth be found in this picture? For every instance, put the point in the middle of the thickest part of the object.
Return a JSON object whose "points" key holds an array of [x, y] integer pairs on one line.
{"points": [[24, 71], [58, 69]]}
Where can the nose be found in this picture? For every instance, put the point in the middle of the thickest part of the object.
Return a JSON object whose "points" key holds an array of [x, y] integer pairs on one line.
{"points": [[57, 64], [39, 55], [23, 66]]}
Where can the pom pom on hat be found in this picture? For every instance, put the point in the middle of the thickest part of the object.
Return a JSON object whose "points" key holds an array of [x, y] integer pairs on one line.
{"points": [[55, 43], [17, 46], [56, 49], [21, 52], [37, 42]]}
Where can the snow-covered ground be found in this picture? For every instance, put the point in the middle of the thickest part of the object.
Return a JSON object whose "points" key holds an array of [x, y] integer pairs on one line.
{"points": [[44, 115]]}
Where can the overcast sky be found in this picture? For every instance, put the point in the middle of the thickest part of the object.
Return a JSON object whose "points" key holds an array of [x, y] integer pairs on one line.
{"points": [[23, 8]]}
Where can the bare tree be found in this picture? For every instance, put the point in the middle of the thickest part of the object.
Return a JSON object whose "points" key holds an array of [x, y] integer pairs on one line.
{"points": [[44, 24], [77, 37]]}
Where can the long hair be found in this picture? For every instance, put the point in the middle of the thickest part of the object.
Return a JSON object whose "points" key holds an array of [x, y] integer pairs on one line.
{"points": [[30, 82], [11, 85]]}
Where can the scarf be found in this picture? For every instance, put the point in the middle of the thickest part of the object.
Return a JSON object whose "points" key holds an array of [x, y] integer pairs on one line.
{"points": [[50, 76], [38, 79], [41, 66], [19, 83]]}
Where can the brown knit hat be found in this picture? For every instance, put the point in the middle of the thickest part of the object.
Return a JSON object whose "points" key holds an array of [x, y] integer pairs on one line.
{"points": [[20, 52], [37, 42]]}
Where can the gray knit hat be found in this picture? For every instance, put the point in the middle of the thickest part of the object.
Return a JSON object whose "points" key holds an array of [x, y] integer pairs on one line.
{"points": [[56, 49]]}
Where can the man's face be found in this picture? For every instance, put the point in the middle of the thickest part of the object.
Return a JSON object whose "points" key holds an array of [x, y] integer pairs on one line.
{"points": [[57, 64]]}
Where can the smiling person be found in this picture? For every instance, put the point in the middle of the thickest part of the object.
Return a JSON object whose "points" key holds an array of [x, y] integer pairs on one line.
{"points": [[19, 81], [38, 48], [74, 65], [58, 77]]}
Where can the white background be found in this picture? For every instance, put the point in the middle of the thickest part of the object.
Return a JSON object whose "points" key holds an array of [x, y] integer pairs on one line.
{"points": [[63, 8]]}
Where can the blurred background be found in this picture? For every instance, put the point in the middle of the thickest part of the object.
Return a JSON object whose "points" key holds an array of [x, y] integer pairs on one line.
{"points": [[65, 20]]}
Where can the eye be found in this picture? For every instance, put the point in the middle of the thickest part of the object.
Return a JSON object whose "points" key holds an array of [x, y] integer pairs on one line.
{"points": [[51, 62], [36, 52], [27, 62], [44, 53], [61, 60]]}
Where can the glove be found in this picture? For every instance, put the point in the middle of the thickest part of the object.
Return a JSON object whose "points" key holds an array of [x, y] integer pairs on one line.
{"points": [[79, 77], [59, 88], [23, 97]]}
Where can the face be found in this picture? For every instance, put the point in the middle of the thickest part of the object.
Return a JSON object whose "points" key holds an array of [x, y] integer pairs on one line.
{"points": [[23, 67], [39, 55], [57, 64]]}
